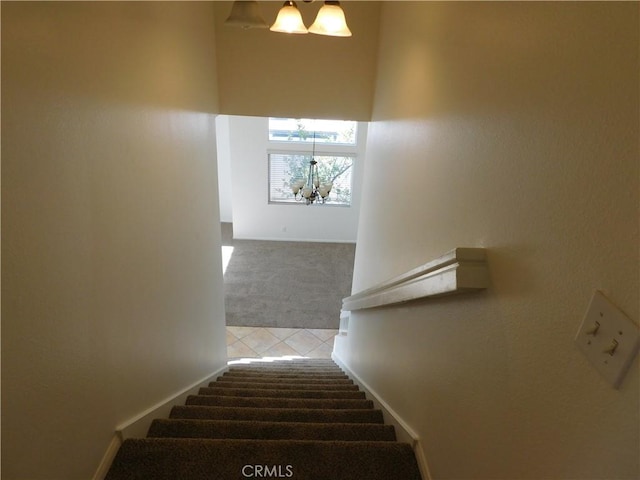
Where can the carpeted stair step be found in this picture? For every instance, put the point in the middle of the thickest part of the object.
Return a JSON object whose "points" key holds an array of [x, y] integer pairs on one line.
{"points": [[286, 371], [306, 366], [275, 393], [238, 429], [313, 415], [308, 362], [283, 369], [285, 386], [304, 419], [259, 379], [283, 375], [317, 370], [206, 459], [225, 401]]}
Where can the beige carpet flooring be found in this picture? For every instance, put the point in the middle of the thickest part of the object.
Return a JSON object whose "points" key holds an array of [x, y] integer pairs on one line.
{"points": [[285, 284]]}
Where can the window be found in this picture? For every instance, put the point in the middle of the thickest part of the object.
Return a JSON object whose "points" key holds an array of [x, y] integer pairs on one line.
{"points": [[334, 132], [295, 142], [286, 168]]}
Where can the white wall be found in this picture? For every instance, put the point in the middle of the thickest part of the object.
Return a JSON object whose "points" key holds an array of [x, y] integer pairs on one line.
{"points": [[514, 127], [112, 294], [224, 168], [254, 218]]}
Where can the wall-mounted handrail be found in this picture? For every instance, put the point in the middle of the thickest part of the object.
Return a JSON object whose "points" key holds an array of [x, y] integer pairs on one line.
{"points": [[460, 270]]}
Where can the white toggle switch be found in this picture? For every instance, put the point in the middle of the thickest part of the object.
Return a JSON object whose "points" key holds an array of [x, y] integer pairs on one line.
{"points": [[608, 338]]}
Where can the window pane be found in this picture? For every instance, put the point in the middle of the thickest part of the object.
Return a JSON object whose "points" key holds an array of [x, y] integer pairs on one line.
{"points": [[284, 169], [338, 132]]}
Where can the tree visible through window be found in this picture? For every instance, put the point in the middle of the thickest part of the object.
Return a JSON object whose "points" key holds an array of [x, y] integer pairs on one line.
{"points": [[334, 143], [285, 169], [337, 132]]}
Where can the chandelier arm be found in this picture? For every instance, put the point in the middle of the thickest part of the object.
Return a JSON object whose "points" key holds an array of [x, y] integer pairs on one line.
{"points": [[310, 176]]}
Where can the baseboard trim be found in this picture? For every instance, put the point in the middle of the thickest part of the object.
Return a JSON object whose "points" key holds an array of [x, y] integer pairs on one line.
{"points": [[138, 426], [107, 458], [404, 432], [306, 240]]}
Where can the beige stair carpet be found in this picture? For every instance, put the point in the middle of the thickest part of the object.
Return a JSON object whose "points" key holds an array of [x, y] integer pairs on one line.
{"points": [[301, 419]]}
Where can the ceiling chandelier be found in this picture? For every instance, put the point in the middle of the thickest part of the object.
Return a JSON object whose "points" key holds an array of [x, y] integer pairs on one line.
{"points": [[245, 15], [312, 189], [329, 21]]}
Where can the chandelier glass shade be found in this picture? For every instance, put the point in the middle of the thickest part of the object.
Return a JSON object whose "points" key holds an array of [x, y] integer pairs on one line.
{"points": [[245, 14], [289, 19], [311, 190], [330, 21]]}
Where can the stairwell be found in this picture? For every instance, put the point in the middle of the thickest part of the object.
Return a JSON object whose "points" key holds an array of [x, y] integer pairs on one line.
{"points": [[301, 419]]}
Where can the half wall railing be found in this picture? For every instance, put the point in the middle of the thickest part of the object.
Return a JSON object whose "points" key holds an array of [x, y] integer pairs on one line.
{"points": [[460, 270]]}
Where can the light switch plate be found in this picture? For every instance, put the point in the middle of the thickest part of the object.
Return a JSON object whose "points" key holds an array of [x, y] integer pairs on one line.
{"points": [[608, 338]]}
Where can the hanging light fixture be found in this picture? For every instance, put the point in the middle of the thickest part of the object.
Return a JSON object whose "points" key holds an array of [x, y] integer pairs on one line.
{"points": [[245, 14], [331, 21], [312, 189], [289, 19]]}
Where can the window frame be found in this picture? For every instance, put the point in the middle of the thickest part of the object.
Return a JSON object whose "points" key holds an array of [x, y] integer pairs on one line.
{"points": [[306, 148], [310, 140], [293, 201]]}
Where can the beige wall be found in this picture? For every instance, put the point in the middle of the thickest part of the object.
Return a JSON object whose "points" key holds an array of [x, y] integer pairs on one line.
{"points": [[510, 126], [263, 73], [111, 275]]}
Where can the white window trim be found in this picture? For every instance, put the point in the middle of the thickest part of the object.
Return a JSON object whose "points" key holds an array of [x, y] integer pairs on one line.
{"points": [[284, 147], [317, 154]]}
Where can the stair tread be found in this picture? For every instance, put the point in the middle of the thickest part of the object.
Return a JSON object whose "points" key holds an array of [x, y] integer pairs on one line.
{"points": [[308, 368], [184, 428], [286, 368], [277, 402], [262, 379], [196, 459], [285, 365], [271, 373], [277, 414], [296, 361], [285, 386], [302, 419], [274, 393]]}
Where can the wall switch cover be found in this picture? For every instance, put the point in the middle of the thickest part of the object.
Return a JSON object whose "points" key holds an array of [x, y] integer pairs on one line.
{"points": [[608, 338]]}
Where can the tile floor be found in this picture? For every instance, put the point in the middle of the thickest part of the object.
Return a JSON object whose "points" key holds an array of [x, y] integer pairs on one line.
{"points": [[256, 342]]}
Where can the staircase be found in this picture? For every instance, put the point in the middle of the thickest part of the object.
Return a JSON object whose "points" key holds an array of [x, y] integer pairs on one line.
{"points": [[302, 419]]}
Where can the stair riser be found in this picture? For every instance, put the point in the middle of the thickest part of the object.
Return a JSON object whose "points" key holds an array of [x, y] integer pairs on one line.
{"points": [[262, 379], [292, 361], [273, 393], [270, 430], [284, 386], [304, 420], [299, 366], [277, 402], [286, 369], [277, 414], [198, 459], [285, 375], [287, 365]]}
